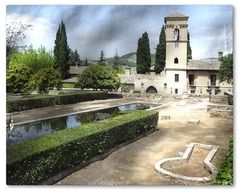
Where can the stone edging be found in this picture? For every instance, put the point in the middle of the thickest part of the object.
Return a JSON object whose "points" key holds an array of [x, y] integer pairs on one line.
{"points": [[187, 154]]}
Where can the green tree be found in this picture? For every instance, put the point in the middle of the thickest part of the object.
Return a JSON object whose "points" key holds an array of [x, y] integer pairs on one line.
{"points": [[160, 56], [116, 62], [189, 50], [45, 79], [35, 59], [18, 76], [102, 58], [99, 77], [226, 68], [62, 51], [74, 57], [15, 34], [143, 61]]}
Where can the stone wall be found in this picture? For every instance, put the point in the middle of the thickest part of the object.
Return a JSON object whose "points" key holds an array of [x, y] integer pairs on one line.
{"points": [[219, 99]]}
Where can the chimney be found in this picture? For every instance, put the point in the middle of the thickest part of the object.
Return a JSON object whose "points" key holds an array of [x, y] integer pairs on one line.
{"points": [[220, 54]]}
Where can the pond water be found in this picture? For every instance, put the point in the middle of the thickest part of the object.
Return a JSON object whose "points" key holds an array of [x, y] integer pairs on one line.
{"points": [[27, 131]]}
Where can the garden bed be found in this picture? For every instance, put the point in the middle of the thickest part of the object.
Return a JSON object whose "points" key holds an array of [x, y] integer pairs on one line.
{"points": [[34, 161]]}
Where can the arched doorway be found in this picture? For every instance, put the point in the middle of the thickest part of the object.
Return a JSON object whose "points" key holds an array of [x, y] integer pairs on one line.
{"points": [[151, 89]]}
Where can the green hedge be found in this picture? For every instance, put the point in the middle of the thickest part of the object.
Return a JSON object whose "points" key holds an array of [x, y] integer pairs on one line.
{"points": [[44, 101], [34, 161], [225, 172]]}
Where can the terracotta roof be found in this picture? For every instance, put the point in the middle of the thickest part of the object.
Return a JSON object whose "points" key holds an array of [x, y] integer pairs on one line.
{"points": [[204, 64]]}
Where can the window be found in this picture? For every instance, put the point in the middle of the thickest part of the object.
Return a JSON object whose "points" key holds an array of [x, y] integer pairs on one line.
{"points": [[175, 60], [176, 34], [213, 79], [176, 77], [176, 91]]}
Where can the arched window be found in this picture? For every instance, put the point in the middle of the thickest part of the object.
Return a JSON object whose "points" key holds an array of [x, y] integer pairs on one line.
{"points": [[176, 34], [175, 60]]}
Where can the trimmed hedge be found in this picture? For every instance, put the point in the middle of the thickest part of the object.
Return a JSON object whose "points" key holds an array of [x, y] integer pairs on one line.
{"points": [[45, 101], [34, 161]]}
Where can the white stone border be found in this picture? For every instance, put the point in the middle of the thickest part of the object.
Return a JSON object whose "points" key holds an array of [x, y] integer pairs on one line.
{"points": [[187, 154]]}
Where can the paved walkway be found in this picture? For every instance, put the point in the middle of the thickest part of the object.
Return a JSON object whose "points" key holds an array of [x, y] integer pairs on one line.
{"points": [[134, 163]]}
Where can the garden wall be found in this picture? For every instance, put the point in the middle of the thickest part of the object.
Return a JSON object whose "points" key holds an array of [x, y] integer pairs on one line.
{"points": [[37, 160]]}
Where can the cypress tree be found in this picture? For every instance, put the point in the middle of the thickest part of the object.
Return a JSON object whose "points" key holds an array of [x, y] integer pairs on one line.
{"points": [[102, 58], [86, 62], [143, 60], [62, 51], [189, 50], [116, 61], [160, 56]]}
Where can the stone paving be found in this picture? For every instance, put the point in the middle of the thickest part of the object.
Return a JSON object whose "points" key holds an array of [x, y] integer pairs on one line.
{"points": [[134, 163]]}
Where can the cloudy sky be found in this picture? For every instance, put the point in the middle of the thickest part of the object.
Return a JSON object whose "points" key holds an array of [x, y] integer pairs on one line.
{"points": [[92, 28]]}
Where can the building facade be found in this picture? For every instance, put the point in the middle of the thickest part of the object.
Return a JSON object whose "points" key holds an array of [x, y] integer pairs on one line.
{"points": [[180, 75]]}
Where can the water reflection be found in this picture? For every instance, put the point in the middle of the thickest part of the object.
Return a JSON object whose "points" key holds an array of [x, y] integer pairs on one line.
{"points": [[20, 133]]}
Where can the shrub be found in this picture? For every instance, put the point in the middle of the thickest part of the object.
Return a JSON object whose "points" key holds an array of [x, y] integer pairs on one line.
{"points": [[50, 100], [18, 77], [34, 161], [99, 77], [225, 172], [45, 79]]}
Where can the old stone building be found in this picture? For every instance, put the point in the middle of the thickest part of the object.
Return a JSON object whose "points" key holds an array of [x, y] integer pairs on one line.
{"points": [[180, 75]]}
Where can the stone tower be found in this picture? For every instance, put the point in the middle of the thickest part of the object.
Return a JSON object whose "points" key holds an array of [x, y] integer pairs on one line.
{"points": [[176, 28]]}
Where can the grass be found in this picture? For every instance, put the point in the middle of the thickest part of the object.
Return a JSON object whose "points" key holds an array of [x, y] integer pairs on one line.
{"points": [[68, 85]]}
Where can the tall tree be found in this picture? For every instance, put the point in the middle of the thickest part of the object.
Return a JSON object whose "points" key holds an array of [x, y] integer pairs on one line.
{"points": [[86, 62], [76, 57], [62, 51], [226, 68], [116, 63], [160, 56], [143, 60], [189, 50], [102, 58]]}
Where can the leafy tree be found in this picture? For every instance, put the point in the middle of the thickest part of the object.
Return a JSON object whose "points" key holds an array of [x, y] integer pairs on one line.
{"points": [[160, 56], [62, 51], [189, 50], [35, 59], [143, 61], [18, 76], [99, 77], [45, 79], [15, 34], [102, 58], [77, 57], [226, 68]]}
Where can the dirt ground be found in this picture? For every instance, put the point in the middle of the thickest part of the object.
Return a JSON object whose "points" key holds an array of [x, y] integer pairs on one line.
{"points": [[134, 163]]}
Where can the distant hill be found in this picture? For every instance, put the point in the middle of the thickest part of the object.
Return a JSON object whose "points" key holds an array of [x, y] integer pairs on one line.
{"points": [[129, 59]]}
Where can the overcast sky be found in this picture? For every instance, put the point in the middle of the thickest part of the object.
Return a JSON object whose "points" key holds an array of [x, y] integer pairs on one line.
{"points": [[92, 28]]}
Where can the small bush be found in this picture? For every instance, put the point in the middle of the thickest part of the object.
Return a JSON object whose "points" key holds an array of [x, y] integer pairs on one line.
{"points": [[35, 161], [50, 100], [225, 172]]}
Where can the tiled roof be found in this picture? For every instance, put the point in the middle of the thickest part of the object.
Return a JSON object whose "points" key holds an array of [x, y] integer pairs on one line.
{"points": [[204, 64], [176, 14], [77, 70]]}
